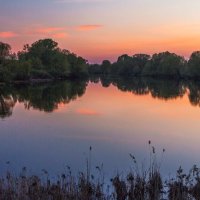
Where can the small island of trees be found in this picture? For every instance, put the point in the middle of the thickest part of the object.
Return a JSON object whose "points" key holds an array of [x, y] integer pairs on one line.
{"points": [[44, 60]]}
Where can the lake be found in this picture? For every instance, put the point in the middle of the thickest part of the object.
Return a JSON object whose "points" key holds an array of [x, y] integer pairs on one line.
{"points": [[52, 125]]}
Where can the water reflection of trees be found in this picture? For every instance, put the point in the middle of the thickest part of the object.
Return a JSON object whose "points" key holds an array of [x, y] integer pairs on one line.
{"points": [[6, 106], [158, 88], [47, 96], [44, 97], [136, 86], [194, 93], [7, 102], [166, 89], [162, 89]]}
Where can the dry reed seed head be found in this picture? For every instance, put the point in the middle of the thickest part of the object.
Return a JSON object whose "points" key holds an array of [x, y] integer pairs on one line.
{"points": [[153, 149], [24, 169], [163, 150], [180, 170], [130, 177], [133, 157], [195, 168], [44, 171], [63, 176], [98, 168]]}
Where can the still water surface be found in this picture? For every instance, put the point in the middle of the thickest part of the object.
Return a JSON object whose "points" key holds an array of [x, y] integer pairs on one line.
{"points": [[49, 126]]}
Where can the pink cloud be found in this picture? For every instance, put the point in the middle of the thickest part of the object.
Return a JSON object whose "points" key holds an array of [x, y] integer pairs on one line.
{"points": [[59, 35], [89, 27], [84, 111], [7, 34], [54, 32], [49, 29]]}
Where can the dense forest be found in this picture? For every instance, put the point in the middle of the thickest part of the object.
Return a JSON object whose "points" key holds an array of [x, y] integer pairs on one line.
{"points": [[165, 64], [41, 60], [45, 60]]}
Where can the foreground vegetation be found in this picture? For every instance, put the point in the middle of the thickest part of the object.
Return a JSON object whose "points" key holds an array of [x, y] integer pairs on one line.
{"points": [[146, 184]]}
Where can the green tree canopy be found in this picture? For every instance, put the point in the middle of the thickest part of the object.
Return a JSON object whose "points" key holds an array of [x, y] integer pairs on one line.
{"points": [[48, 60], [4, 51], [193, 68], [165, 64]]}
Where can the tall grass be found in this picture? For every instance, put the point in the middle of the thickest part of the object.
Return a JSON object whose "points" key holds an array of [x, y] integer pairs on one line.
{"points": [[140, 183]]}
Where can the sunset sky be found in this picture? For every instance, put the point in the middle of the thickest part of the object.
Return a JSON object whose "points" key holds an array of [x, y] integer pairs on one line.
{"points": [[104, 29]]}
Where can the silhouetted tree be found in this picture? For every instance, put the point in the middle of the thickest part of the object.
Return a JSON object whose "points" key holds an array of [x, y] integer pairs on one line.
{"points": [[165, 64], [49, 61], [4, 52], [106, 67], [193, 69]]}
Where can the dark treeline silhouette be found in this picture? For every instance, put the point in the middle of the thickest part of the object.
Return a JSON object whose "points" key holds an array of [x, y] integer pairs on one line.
{"points": [[41, 60], [45, 60], [44, 96], [165, 64]]}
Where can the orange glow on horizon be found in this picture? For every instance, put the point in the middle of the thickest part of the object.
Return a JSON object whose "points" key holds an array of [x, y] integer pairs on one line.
{"points": [[89, 27], [97, 49]]}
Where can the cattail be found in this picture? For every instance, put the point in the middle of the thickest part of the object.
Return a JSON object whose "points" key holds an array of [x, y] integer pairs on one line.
{"points": [[163, 150], [153, 149]]}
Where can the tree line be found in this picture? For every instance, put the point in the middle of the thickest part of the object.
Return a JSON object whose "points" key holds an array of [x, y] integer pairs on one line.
{"points": [[41, 60], [45, 60], [159, 65]]}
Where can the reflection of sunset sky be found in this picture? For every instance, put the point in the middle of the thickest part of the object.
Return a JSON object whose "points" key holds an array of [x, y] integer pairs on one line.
{"points": [[102, 29], [113, 122], [133, 112]]}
